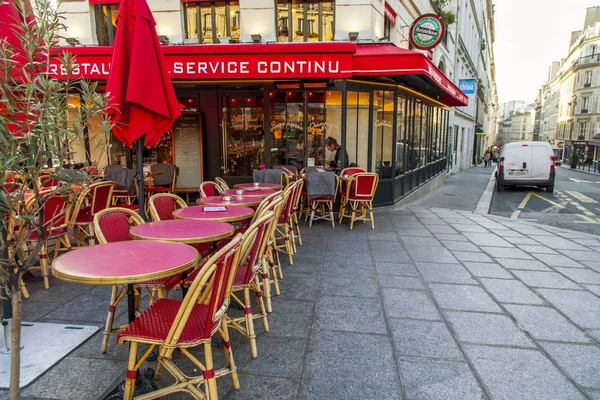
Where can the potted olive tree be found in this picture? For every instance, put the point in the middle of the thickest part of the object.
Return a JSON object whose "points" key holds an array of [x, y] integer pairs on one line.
{"points": [[37, 131]]}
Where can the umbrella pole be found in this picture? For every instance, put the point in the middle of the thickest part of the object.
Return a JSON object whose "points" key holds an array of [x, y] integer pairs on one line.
{"points": [[140, 176]]}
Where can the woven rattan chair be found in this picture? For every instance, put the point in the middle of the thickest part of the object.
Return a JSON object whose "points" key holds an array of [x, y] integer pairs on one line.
{"points": [[283, 232], [113, 225], [294, 224], [321, 207], [360, 192], [91, 200], [209, 188], [56, 214], [222, 184], [183, 325], [254, 242]]}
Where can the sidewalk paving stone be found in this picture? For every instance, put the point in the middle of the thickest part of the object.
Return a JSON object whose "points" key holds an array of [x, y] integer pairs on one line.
{"points": [[581, 255], [352, 314], [557, 243], [391, 268], [580, 275], [472, 256], [511, 291], [536, 248], [463, 297], [480, 328], [423, 339], [487, 270], [400, 282], [409, 304], [409, 241], [557, 260], [350, 365], [581, 362], [451, 237], [523, 264], [487, 239], [502, 252], [426, 253], [581, 307], [546, 323], [515, 374], [461, 246], [439, 380], [447, 273], [545, 279], [593, 288]]}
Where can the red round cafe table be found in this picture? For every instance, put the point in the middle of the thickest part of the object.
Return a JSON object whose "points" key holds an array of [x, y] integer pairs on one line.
{"points": [[236, 200], [272, 186], [250, 192], [187, 231], [230, 214], [125, 263]]}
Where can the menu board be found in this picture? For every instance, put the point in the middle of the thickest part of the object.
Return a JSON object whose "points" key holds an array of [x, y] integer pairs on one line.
{"points": [[187, 138]]}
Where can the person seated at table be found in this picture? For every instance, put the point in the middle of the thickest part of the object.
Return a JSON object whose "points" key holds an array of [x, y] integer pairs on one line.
{"points": [[163, 172], [334, 146]]}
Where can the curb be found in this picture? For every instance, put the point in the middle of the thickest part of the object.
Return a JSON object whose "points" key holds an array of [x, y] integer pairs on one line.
{"points": [[485, 201]]}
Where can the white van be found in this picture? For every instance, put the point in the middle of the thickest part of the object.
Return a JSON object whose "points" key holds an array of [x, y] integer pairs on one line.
{"points": [[526, 164]]}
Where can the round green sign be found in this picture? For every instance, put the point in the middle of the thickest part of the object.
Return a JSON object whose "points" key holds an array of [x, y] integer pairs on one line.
{"points": [[427, 31]]}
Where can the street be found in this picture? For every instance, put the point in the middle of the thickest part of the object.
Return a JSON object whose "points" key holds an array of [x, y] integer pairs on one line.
{"points": [[575, 203]]}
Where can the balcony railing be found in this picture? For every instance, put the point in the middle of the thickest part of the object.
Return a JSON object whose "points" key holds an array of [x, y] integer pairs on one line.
{"points": [[589, 59]]}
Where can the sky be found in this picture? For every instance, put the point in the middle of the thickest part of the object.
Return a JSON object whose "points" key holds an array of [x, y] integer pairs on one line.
{"points": [[530, 34]]}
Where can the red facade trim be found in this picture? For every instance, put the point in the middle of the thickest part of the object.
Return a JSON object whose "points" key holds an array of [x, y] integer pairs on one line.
{"points": [[390, 13], [277, 61]]}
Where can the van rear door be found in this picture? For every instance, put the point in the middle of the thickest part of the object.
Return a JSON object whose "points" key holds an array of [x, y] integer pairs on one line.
{"points": [[540, 161], [517, 160]]}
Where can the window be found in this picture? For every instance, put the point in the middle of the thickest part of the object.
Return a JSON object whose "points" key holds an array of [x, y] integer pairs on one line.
{"points": [[584, 130], [588, 79], [243, 141], [305, 20], [357, 128], [585, 102], [387, 28], [383, 133], [213, 22], [106, 15]]}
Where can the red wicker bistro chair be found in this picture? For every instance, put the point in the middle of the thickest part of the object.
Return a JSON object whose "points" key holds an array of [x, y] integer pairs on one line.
{"points": [[294, 225], [47, 181], [92, 199], [162, 206], [209, 188], [348, 172], [113, 225], [123, 198], [254, 243], [359, 193], [182, 325], [283, 232], [221, 183], [56, 214]]}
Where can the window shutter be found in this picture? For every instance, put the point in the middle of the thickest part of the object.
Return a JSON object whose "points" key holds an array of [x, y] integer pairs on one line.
{"points": [[597, 130], [576, 130], [594, 77], [578, 106]]}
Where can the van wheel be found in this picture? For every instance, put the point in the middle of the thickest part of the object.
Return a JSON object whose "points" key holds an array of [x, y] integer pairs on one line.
{"points": [[499, 187], [550, 188]]}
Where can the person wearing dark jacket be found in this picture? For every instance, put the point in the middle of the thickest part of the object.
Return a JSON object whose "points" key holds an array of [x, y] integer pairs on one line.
{"points": [[333, 145]]}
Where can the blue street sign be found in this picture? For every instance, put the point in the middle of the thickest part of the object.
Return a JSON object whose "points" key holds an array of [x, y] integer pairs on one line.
{"points": [[467, 86]]}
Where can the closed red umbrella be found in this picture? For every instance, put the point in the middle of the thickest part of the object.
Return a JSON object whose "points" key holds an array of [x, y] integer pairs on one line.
{"points": [[141, 95]]}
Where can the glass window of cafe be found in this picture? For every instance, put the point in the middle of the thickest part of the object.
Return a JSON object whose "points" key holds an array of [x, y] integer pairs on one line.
{"points": [[420, 138], [301, 121], [212, 21], [305, 20], [106, 16], [383, 133], [242, 125]]}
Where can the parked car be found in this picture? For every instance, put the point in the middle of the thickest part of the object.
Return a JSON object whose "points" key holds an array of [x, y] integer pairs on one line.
{"points": [[526, 164]]}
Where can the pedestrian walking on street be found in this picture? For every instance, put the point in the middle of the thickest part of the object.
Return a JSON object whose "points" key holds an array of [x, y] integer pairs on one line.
{"points": [[486, 158]]}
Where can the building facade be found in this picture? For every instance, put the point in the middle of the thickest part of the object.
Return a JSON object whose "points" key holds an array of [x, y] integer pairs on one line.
{"points": [[268, 81], [570, 100]]}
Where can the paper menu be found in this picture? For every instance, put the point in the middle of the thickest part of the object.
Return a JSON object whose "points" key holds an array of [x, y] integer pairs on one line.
{"points": [[215, 208]]}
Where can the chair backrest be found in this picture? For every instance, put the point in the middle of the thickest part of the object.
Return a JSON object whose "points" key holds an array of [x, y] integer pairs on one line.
{"points": [[167, 174], [56, 209], [364, 185], [162, 205], [113, 224], [264, 203], [287, 206], [211, 288], [297, 194], [254, 241], [101, 193], [222, 184], [351, 171], [47, 181], [209, 188]]}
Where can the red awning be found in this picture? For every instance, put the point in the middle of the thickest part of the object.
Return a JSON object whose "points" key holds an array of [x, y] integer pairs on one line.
{"points": [[389, 60]]}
